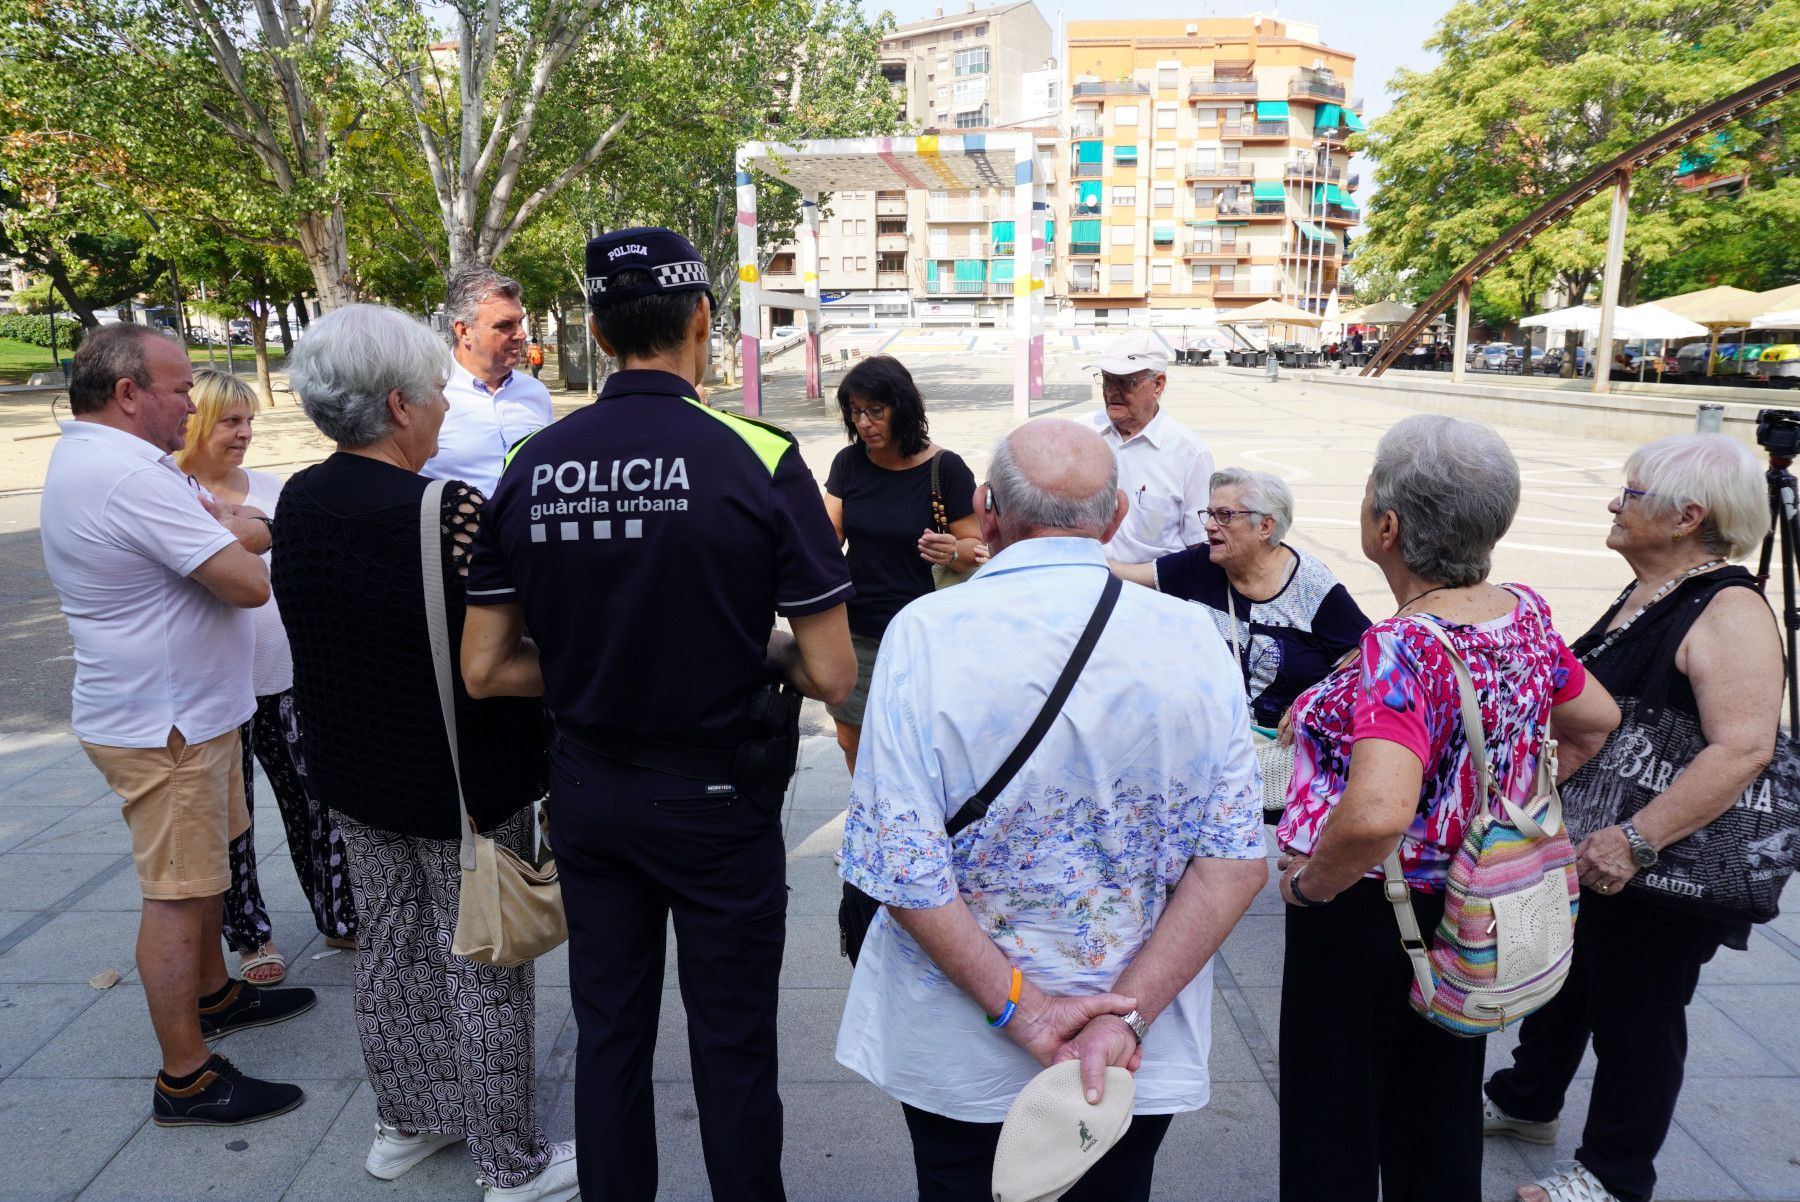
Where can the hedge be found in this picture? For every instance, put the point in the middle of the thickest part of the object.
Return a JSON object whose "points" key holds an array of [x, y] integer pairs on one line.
{"points": [[35, 329]]}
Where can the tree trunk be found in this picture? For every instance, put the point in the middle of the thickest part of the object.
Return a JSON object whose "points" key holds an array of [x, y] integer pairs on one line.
{"points": [[287, 335], [327, 254], [258, 311], [300, 313], [59, 276]]}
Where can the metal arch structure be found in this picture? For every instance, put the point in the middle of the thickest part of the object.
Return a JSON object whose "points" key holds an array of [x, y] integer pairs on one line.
{"points": [[1616, 174]]}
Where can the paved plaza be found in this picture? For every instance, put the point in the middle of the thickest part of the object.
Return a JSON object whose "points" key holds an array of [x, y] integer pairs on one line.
{"points": [[76, 1060]]}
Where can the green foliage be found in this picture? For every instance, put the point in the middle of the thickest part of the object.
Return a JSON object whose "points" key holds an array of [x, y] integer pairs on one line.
{"points": [[34, 328], [1531, 95]]}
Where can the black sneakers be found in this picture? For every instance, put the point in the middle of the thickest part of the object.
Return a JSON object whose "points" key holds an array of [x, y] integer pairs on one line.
{"points": [[245, 1005], [221, 1096]]}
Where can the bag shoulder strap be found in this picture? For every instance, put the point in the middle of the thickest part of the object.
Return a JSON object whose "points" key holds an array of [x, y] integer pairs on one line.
{"points": [[976, 808], [937, 495], [437, 624]]}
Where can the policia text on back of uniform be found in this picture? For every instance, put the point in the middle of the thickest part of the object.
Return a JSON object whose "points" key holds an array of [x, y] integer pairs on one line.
{"points": [[647, 543]]}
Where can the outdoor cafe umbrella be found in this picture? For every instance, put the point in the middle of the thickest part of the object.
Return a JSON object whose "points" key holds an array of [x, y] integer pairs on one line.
{"points": [[1384, 313], [1789, 320], [1720, 308], [1645, 323], [1271, 312]]}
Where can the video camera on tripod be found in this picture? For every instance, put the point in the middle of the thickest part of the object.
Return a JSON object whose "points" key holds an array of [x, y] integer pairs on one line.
{"points": [[1778, 433]]}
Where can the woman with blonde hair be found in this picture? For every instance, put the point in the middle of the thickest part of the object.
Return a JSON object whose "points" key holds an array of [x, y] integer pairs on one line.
{"points": [[218, 436]]}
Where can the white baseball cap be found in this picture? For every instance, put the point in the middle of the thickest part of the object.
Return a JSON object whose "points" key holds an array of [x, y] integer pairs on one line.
{"points": [[1139, 350], [1052, 1135]]}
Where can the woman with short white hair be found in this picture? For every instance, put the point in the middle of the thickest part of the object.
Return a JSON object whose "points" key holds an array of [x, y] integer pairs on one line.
{"points": [[448, 1042], [1691, 638], [1285, 616]]}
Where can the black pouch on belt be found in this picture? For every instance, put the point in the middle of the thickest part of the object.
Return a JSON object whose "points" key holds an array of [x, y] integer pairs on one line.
{"points": [[765, 761]]}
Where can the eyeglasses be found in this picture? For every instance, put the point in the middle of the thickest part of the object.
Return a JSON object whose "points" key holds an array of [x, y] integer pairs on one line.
{"points": [[1222, 517], [1111, 384], [1627, 493], [874, 413]]}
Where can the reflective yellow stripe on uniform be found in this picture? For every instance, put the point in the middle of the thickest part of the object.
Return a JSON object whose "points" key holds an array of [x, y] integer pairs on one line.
{"points": [[506, 460], [768, 442]]}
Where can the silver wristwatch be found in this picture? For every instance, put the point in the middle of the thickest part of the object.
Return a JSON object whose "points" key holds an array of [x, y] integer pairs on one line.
{"points": [[1642, 854], [1139, 1028]]}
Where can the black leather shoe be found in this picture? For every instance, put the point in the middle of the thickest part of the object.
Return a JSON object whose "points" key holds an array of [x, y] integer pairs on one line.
{"points": [[221, 1097], [247, 1005]]}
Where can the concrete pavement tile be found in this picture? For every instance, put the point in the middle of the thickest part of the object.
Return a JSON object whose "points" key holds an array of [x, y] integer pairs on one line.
{"points": [[98, 827], [71, 948], [34, 880], [1720, 1046], [553, 1013], [23, 755], [1253, 950], [1227, 1152], [70, 787], [30, 1015], [1766, 1013], [814, 887], [109, 1039], [57, 1135], [812, 959], [806, 1027], [318, 1046], [334, 1172], [1230, 1058], [19, 823], [1749, 1125], [1765, 963], [844, 1141], [1500, 1047], [556, 1060], [245, 1164], [1685, 1170], [120, 894]]}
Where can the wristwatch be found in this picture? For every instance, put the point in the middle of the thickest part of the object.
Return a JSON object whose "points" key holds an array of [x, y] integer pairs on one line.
{"points": [[1642, 854], [1139, 1028]]}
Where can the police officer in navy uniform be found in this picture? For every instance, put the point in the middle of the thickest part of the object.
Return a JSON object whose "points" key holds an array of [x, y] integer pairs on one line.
{"points": [[647, 542]]}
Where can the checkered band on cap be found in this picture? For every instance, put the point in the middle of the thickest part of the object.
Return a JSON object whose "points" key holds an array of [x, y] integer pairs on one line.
{"points": [[669, 261], [682, 275]]}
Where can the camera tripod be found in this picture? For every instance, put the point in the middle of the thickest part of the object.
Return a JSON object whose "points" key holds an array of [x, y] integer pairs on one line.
{"points": [[1784, 527]]}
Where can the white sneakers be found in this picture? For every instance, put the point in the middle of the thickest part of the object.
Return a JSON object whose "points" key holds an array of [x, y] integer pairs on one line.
{"points": [[392, 1153], [1495, 1121], [557, 1183]]}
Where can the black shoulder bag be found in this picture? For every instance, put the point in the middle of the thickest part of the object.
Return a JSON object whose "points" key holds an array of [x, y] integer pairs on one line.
{"points": [[857, 909]]}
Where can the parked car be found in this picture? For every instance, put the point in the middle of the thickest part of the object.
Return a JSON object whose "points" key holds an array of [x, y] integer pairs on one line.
{"points": [[784, 333], [1494, 356], [1553, 361]]}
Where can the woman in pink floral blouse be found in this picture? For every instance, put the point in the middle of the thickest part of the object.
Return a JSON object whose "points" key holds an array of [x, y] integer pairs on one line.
{"points": [[1372, 1096]]}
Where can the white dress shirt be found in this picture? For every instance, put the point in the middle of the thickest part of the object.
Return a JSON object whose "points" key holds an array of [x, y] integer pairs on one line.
{"points": [[1166, 472], [122, 531], [1148, 767], [272, 667], [483, 424]]}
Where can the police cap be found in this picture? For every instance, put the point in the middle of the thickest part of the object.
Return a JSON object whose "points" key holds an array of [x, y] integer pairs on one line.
{"points": [[671, 262]]}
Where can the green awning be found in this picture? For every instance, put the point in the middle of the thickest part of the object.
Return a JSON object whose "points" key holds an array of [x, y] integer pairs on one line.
{"points": [[1124, 154], [1090, 152], [1163, 233], [1084, 231], [1332, 194], [1003, 271], [1271, 110], [1269, 189], [1050, 233], [931, 272], [1315, 233], [971, 269], [1088, 192], [1354, 122], [1330, 116], [1003, 231]]}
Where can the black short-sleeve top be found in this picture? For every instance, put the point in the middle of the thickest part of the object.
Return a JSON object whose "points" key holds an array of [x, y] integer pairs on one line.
{"points": [[885, 512]]}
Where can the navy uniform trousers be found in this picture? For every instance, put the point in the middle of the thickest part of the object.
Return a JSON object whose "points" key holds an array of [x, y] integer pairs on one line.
{"points": [[633, 848]]}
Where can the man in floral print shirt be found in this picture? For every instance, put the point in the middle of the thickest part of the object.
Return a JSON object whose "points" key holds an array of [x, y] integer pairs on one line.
{"points": [[1107, 872]]}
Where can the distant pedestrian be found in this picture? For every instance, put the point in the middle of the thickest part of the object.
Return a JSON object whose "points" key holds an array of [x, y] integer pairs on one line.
{"points": [[156, 583], [492, 406], [448, 1042], [534, 355], [218, 437], [1163, 466]]}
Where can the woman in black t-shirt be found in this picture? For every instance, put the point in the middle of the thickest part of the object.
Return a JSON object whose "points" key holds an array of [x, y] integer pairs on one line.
{"points": [[896, 525]]}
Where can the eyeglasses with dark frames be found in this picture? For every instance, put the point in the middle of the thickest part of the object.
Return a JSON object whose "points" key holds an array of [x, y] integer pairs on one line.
{"points": [[1223, 517]]}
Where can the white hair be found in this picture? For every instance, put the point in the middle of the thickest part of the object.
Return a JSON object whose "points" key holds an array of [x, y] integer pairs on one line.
{"points": [[1717, 473], [1022, 506], [352, 358], [1455, 487], [1263, 492], [469, 289]]}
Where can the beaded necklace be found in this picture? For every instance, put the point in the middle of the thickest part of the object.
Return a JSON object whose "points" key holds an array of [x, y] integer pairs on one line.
{"points": [[1612, 636]]}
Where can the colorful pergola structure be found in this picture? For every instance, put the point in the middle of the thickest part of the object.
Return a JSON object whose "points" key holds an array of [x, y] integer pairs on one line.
{"points": [[961, 162]]}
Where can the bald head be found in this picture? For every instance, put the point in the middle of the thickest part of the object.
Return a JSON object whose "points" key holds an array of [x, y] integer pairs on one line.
{"points": [[1050, 478]]}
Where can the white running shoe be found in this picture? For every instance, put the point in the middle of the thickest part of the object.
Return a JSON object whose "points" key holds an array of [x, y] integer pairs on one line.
{"points": [[1495, 1121], [556, 1183], [392, 1153]]}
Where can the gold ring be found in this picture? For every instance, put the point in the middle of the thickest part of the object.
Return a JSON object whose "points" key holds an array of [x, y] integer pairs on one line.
{"points": [[1600, 885]]}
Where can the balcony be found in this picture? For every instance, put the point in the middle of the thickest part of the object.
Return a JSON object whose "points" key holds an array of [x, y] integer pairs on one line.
{"points": [[1084, 132], [895, 243], [1306, 248], [1339, 215], [1080, 285], [1084, 248], [1210, 169], [1314, 172], [1306, 84], [1232, 208], [968, 286], [1122, 87], [1002, 248], [958, 214], [890, 206], [1353, 183], [1210, 250], [1245, 288], [1203, 87], [891, 279], [1087, 170], [1255, 131], [1268, 210], [1080, 208]]}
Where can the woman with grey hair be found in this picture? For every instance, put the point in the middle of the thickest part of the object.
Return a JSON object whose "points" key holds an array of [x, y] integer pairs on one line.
{"points": [[1373, 1097], [447, 1042], [1285, 616], [1693, 654]]}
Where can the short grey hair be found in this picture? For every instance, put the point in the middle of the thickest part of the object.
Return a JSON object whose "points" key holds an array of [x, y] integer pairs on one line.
{"points": [[350, 360], [468, 289], [1717, 473], [1022, 505], [1455, 487], [1264, 492], [109, 354]]}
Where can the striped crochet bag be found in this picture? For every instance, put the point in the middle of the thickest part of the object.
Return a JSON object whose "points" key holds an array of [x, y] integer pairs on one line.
{"points": [[1508, 931]]}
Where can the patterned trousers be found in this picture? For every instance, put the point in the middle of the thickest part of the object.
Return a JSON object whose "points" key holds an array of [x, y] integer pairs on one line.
{"points": [[313, 842], [448, 1043]]}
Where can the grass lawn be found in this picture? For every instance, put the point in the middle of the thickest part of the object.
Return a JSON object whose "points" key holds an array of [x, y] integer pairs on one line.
{"points": [[19, 359]]}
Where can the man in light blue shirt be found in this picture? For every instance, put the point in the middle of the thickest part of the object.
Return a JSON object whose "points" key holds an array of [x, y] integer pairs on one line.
{"points": [[1107, 872], [492, 405]]}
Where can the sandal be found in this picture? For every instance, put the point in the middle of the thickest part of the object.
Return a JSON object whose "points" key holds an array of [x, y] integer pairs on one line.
{"points": [[343, 942], [1572, 1183], [265, 958]]}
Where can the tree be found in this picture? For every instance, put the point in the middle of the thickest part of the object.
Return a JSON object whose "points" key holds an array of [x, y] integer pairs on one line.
{"points": [[1529, 96]]}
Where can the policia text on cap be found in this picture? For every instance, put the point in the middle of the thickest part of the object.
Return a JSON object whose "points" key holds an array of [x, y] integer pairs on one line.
{"points": [[647, 543]]}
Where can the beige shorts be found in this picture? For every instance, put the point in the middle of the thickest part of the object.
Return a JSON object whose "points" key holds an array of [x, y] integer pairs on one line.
{"points": [[184, 805], [851, 712]]}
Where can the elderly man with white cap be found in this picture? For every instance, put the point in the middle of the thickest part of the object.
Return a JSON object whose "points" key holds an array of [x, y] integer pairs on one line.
{"points": [[1164, 468]]}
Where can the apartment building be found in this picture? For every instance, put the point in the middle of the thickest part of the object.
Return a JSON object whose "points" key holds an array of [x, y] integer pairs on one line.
{"points": [[1206, 165]]}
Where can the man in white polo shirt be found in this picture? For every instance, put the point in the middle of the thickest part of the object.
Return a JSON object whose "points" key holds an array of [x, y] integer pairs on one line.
{"points": [[1164, 468], [157, 580], [492, 405]]}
